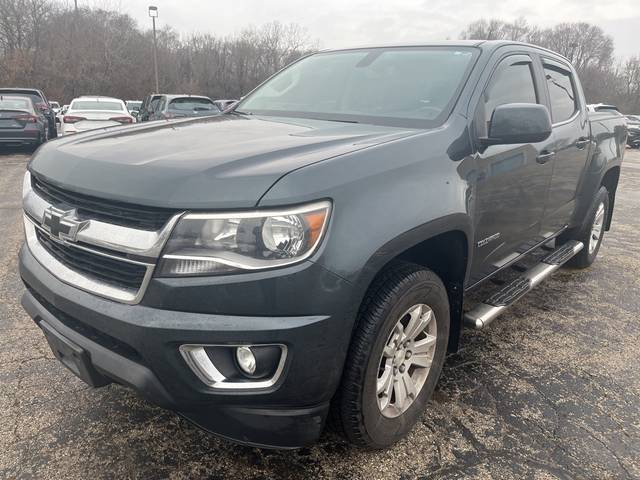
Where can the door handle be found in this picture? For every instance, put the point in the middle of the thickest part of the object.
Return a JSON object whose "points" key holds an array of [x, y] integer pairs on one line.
{"points": [[544, 157], [581, 142]]}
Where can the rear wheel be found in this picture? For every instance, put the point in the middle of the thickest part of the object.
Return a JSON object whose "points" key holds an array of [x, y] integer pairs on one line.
{"points": [[42, 138], [395, 358], [592, 232]]}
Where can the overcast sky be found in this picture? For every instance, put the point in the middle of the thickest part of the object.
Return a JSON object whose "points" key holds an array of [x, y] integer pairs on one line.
{"points": [[350, 22]]}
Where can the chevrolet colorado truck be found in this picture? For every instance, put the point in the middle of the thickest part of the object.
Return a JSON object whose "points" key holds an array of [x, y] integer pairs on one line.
{"points": [[309, 251]]}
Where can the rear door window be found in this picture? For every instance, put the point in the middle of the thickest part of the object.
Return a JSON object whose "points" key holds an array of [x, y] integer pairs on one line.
{"points": [[561, 92], [154, 103]]}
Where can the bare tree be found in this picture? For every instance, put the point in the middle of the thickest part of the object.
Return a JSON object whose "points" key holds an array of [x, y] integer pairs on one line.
{"points": [[588, 48], [68, 52], [630, 84], [583, 44]]}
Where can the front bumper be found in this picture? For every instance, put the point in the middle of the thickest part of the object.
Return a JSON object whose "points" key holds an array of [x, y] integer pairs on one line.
{"points": [[137, 346]]}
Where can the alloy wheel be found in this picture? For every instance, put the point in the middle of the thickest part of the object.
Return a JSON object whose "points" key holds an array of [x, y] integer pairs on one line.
{"points": [[406, 360], [596, 228]]}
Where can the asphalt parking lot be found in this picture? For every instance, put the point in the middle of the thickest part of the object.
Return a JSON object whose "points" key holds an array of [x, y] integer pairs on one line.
{"points": [[549, 390]]}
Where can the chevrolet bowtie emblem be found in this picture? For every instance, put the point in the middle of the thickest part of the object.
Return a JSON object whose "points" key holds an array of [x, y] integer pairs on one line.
{"points": [[61, 224]]}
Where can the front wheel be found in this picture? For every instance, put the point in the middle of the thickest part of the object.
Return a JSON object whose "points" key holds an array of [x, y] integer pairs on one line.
{"points": [[395, 358]]}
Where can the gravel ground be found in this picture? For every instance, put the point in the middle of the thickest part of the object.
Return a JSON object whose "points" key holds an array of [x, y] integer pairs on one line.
{"points": [[549, 390]]}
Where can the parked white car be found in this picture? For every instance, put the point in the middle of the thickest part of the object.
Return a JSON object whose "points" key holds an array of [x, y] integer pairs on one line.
{"points": [[60, 114], [89, 113]]}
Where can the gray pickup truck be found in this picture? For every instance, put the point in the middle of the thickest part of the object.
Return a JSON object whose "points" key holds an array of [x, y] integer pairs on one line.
{"points": [[309, 251]]}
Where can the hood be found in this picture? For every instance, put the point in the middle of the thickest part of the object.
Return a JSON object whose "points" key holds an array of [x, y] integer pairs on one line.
{"points": [[228, 161]]}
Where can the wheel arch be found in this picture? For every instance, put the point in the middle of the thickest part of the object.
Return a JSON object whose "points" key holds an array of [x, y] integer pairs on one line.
{"points": [[442, 246]]}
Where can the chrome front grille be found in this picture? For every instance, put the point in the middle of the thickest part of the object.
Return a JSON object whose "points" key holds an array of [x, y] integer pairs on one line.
{"points": [[107, 259], [109, 270], [109, 211]]}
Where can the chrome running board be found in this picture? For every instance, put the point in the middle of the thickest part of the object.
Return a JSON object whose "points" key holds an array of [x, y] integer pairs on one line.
{"points": [[486, 312]]}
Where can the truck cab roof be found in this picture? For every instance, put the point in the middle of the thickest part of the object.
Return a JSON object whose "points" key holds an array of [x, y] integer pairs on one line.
{"points": [[487, 45]]}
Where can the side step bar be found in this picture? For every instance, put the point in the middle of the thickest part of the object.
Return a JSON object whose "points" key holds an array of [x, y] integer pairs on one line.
{"points": [[486, 312]]}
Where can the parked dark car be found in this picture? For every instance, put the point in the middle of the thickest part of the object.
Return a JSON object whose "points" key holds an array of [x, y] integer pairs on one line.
{"points": [[181, 106], [149, 103], [55, 106], [312, 249], [633, 127], [41, 103], [21, 123]]}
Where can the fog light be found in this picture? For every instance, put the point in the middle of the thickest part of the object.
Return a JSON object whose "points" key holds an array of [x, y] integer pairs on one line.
{"points": [[246, 360], [236, 366]]}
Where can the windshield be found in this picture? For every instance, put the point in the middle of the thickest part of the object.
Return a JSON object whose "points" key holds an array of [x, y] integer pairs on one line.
{"points": [[192, 104], [134, 105], [95, 105], [408, 86]]}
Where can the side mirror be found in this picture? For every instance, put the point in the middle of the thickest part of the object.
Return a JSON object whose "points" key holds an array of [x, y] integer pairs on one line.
{"points": [[518, 123]]}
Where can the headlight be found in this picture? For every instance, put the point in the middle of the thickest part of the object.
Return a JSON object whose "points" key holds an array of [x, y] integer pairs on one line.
{"points": [[26, 184], [210, 244]]}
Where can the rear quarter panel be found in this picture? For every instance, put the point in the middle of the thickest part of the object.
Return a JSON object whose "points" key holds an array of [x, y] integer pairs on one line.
{"points": [[606, 151]]}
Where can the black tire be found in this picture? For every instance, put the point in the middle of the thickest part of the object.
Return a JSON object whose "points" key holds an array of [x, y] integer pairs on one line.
{"points": [[53, 131], [586, 256], [42, 138], [355, 409]]}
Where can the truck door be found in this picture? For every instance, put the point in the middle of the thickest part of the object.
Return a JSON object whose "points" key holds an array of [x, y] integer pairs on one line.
{"points": [[512, 180], [571, 134]]}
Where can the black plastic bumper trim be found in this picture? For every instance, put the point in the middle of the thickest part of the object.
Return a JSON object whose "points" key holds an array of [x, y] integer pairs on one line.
{"points": [[112, 365]]}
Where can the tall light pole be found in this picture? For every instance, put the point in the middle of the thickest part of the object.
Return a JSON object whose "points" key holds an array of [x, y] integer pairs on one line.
{"points": [[153, 13]]}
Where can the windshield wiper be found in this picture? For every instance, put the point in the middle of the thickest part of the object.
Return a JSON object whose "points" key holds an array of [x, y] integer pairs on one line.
{"points": [[336, 120]]}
